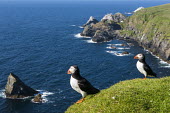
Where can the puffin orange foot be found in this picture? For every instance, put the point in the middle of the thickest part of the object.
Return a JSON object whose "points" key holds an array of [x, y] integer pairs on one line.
{"points": [[144, 78], [80, 101]]}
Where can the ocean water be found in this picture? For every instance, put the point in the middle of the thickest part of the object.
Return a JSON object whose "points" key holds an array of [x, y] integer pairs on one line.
{"points": [[40, 41]]}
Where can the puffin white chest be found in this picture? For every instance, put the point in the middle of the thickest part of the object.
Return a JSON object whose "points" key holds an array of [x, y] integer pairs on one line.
{"points": [[74, 84], [140, 67]]}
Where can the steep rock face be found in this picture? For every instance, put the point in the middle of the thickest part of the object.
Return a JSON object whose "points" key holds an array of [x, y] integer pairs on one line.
{"points": [[104, 30], [150, 28], [15, 88], [91, 21], [118, 17]]}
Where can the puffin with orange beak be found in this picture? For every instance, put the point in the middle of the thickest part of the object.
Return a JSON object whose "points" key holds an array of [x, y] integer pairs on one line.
{"points": [[80, 84], [143, 67]]}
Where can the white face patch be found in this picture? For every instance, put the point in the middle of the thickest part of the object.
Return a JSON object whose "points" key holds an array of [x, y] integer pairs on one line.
{"points": [[72, 69], [140, 56]]}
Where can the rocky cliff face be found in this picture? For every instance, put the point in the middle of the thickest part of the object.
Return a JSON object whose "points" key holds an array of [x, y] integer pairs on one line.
{"points": [[15, 88], [91, 21], [104, 30], [150, 28]]}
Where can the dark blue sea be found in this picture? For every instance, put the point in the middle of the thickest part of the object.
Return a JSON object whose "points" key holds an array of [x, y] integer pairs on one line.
{"points": [[39, 41]]}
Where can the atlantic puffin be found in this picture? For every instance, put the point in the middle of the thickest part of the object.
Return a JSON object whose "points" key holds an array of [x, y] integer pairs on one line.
{"points": [[80, 84], [143, 67]]}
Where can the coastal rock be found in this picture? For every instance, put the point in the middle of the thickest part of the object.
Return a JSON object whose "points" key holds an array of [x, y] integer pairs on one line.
{"points": [[38, 98], [15, 88], [125, 53], [91, 21], [108, 17], [101, 31], [118, 17], [101, 36]]}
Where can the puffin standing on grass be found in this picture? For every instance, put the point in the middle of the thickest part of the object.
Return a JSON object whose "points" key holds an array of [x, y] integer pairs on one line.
{"points": [[80, 84], [143, 67]]}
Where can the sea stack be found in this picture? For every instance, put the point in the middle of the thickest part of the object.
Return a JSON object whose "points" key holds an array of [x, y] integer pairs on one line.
{"points": [[91, 21], [15, 88]]}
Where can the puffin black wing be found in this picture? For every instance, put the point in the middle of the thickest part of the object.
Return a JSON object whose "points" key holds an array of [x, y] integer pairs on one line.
{"points": [[87, 87], [149, 71]]}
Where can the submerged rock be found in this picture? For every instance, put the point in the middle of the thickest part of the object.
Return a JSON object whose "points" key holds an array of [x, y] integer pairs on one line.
{"points": [[38, 98], [15, 88], [125, 52], [91, 21]]}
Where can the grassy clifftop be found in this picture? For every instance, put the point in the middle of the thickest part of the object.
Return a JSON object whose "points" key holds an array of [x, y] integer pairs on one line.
{"points": [[131, 96], [152, 22], [150, 27]]}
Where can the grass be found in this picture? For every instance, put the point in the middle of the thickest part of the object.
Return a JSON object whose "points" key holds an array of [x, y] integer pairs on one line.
{"points": [[131, 96], [151, 21]]}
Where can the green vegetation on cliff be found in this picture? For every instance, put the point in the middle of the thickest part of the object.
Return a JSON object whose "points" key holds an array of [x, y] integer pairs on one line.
{"points": [[131, 96], [153, 22]]}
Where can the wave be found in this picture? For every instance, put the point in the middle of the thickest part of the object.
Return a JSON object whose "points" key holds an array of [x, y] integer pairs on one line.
{"points": [[90, 41], [2, 93], [118, 53], [79, 36], [161, 62], [164, 64], [73, 25], [81, 27], [45, 94], [122, 48], [129, 13], [114, 44]]}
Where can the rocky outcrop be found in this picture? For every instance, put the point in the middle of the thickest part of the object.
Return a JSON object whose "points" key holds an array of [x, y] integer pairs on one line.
{"points": [[38, 98], [108, 17], [91, 21], [104, 30], [118, 17], [15, 88]]}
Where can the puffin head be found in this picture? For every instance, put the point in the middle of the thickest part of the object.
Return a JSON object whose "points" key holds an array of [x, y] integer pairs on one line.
{"points": [[73, 69], [139, 56]]}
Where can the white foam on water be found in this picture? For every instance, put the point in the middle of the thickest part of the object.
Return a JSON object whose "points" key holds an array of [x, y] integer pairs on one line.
{"points": [[2, 93], [79, 36], [162, 63], [115, 44], [45, 94], [118, 53], [73, 25], [110, 48], [122, 48], [129, 13], [90, 41], [81, 27]]}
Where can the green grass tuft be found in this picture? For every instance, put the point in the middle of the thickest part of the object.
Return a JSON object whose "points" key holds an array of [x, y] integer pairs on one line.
{"points": [[131, 96]]}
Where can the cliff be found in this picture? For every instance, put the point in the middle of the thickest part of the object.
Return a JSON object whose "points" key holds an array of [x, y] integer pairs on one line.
{"points": [[150, 27], [131, 96]]}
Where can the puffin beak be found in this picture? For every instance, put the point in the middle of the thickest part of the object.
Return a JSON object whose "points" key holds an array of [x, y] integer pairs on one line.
{"points": [[136, 57], [68, 72]]}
